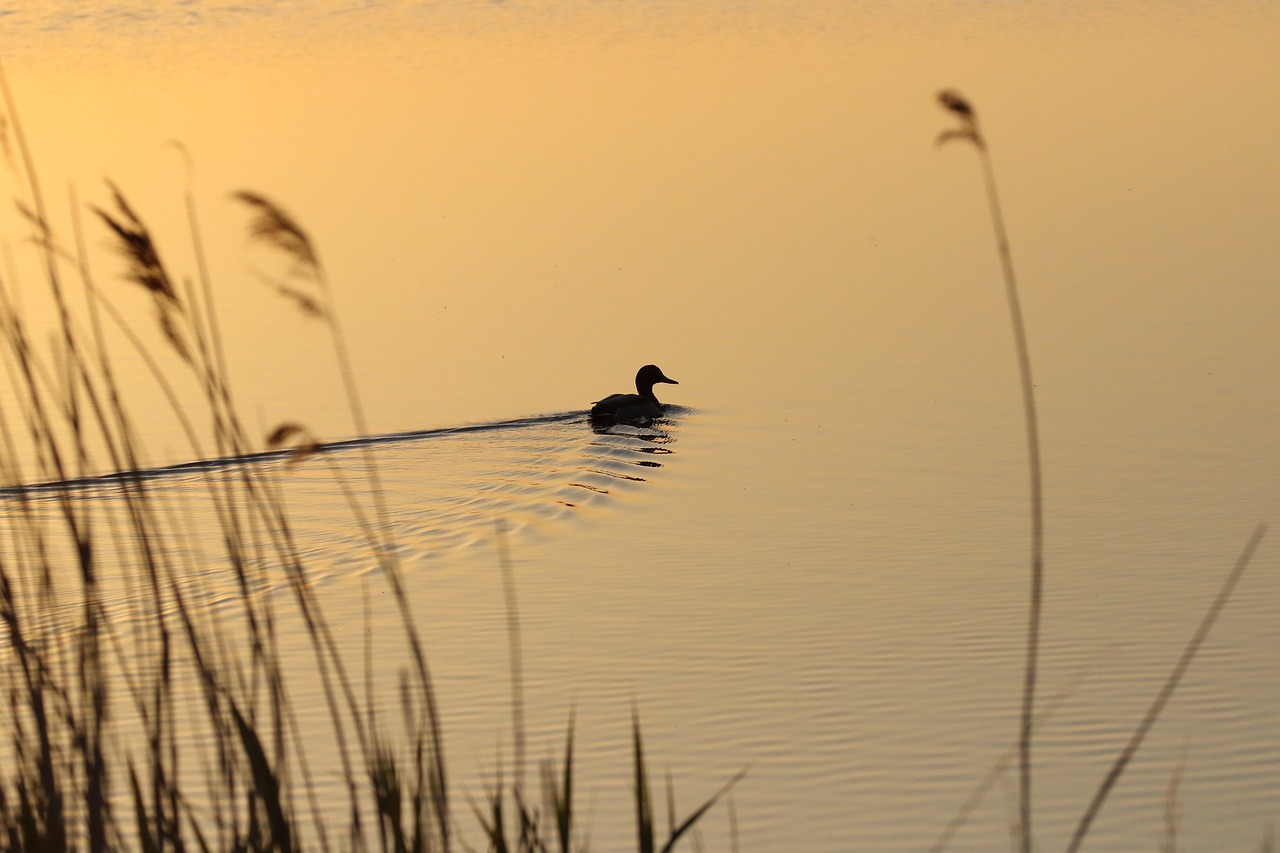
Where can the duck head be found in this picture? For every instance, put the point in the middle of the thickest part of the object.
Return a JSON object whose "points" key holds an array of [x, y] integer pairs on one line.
{"points": [[651, 375]]}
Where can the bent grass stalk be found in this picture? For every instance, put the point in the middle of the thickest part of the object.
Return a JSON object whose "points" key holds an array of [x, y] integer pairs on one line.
{"points": [[1166, 691], [969, 131]]}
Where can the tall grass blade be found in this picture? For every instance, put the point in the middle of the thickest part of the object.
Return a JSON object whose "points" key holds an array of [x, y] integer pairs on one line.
{"points": [[644, 804], [697, 813], [1170, 684], [561, 794], [645, 838], [266, 783], [146, 841]]}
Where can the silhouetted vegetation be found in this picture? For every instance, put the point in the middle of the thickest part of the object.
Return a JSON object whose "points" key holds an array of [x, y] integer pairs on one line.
{"points": [[177, 728], [968, 130]]}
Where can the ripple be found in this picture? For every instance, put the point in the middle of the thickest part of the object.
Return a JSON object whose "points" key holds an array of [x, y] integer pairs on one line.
{"points": [[445, 489]]}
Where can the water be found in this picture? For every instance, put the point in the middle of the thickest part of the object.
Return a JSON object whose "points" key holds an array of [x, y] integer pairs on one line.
{"points": [[823, 573]]}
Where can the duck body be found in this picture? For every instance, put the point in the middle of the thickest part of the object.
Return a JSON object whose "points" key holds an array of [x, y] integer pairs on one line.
{"points": [[639, 407], [626, 408]]}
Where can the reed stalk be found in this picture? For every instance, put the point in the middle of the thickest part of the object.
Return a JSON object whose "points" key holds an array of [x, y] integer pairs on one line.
{"points": [[969, 131]]}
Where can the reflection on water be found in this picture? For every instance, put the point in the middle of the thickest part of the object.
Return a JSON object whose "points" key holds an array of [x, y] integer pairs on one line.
{"points": [[829, 579], [446, 486]]}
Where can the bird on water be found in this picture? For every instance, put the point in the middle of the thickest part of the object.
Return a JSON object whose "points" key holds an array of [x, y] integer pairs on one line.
{"points": [[639, 407]]}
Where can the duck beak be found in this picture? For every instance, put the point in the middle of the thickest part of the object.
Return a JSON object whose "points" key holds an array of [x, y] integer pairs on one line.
{"points": [[668, 381]]}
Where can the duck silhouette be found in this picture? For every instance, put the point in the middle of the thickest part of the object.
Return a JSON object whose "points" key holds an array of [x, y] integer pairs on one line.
{"points": [[641, 407]]}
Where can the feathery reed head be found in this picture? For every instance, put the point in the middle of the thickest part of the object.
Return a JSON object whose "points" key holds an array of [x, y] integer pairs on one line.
{"points": [[956, 104], [954, 101], [145, 268], [305, 302], [139, 250], [293, 435], [273, 226]]}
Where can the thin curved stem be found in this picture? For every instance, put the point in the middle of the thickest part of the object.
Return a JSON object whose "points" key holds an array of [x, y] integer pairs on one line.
{"points": [[1031, 420]]}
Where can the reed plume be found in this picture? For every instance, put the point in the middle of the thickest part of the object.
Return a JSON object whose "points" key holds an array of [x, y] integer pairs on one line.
{"points": [[297, 437], [274, 226], [144, 268]]}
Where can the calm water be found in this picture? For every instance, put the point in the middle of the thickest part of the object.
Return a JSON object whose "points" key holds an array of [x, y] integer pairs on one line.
{"points": [[818, 566]]}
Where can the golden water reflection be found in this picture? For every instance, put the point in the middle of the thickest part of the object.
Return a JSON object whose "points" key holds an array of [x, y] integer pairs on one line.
{"points": [[519, 204]]}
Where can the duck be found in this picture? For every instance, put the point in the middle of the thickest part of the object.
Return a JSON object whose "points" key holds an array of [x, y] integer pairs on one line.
{"points": [[641, 407]]}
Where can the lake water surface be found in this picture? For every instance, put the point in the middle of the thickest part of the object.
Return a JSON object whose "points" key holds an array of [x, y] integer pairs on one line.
{"points": [[817, 567]]}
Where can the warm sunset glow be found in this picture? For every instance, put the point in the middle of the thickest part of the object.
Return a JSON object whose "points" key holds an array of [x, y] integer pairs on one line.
{"points": [[819, 567]]}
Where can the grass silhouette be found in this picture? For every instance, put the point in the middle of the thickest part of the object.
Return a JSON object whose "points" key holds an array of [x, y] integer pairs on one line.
{"points": [[967, 130], [233, 770], [178, 727]]}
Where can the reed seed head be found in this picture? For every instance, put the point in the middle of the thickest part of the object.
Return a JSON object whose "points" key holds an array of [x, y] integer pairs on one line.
{"points": [[139, 250], [296, 436], [144, 267], [956, 104], [273, 226]]}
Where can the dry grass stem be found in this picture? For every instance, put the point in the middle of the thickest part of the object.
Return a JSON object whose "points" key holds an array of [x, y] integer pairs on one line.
{"points": [[968, 130]]}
